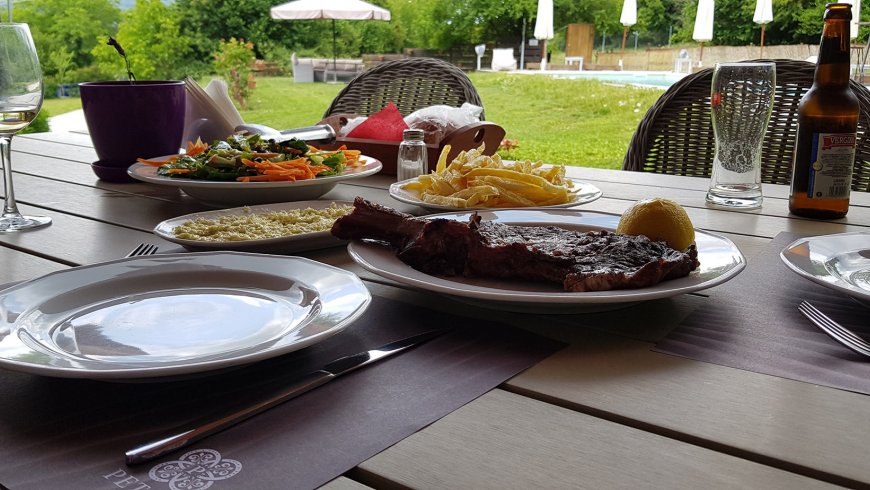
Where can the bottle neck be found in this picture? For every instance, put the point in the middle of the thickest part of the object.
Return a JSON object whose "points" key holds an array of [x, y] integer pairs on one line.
{"points": [[833, 65]]}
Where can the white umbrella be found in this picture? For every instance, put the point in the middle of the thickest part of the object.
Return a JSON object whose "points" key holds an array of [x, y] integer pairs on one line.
{"points": [[329, 9], [703, 25], [628, 18], [763, 15], [544, 27]]}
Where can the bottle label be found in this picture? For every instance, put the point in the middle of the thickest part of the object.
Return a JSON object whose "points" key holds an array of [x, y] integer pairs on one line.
{"points": [[831, 163]]}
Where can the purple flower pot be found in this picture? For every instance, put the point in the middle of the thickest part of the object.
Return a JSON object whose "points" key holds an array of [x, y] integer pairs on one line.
{"points": [[131, 120]]}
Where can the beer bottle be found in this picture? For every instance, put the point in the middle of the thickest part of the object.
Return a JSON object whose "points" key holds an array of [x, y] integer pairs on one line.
{"points": [[827, 125]]}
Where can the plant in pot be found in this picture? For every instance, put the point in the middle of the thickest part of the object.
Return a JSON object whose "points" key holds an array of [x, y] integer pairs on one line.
{"points": [[129, 119]]}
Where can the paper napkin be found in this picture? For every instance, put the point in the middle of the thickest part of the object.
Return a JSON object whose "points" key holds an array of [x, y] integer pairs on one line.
{"points": [[210, 114], [384, 125]]}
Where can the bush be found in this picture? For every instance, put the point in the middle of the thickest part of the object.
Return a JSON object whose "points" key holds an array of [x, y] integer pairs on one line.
{"points": [[233, 62], [280, 55], [39, 125], [92, 73]]}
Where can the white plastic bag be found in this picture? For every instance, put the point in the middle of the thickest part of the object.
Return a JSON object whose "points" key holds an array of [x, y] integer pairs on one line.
{"points": [[438, 120]]}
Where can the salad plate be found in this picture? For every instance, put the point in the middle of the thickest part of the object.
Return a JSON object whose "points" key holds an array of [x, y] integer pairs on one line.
{"points": [[840, 262], [174, 314], [223, 193], [586, 193], [281, 245], [720, 261]]}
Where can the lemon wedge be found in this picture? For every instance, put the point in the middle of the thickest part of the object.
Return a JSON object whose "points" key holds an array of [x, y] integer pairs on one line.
{"points": [[658, 219]]}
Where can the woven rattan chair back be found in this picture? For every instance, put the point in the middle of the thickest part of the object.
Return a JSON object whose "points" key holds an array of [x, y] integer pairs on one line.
{"points": [[412, 84], [676, 135]]}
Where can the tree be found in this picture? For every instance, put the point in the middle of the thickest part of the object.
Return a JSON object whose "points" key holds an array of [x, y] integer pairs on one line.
{"points": [[208, 22], [72, 26], [656, 19], [153, 40], [794, 22]]}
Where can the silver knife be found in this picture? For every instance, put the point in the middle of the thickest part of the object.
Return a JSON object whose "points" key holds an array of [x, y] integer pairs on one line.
{"points": [[184, 436]]}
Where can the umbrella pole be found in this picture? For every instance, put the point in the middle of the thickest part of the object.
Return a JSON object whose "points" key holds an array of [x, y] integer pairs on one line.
{"points": [[622, 53], [544, 55], [334, 63], [624, 34], [762, 42], [701, 57]]}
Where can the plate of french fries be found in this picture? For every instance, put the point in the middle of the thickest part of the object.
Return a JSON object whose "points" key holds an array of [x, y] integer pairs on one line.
{"points": [[477, 181]]}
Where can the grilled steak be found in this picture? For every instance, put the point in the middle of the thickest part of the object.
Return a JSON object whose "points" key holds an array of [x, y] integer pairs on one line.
{"points": [[579, 261]]}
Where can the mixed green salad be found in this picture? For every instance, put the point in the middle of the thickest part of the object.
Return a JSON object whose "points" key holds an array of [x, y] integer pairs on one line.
{"points": [[250, 158]]}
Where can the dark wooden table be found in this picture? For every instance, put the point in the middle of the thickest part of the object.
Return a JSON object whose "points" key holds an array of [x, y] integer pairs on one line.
{"points": [[606, 412]]}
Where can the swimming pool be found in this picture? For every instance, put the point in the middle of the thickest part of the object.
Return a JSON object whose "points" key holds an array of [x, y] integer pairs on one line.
{"points": [[661, 79]]}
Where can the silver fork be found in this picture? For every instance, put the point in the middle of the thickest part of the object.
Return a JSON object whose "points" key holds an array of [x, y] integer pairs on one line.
{"points": [[837, 332], [143, 249]]}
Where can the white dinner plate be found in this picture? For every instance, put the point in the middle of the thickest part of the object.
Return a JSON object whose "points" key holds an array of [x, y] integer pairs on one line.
{"points": [[280, 245], [243, 193], [719, 257], [174, 314], [586, 193], [840, 262]]}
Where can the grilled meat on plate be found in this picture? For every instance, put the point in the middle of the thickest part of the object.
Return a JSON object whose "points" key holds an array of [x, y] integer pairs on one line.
{"points": [[579, 261]]}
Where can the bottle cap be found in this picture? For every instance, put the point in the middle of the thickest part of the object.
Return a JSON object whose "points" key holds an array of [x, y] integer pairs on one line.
{"points": [[413, 134]]}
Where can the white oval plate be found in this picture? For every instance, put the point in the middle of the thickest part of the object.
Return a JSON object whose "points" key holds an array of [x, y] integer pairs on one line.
{"points": [[586, 193], [173, 314], [720, 261], [280, 245], [840, 262], [242, 193]]}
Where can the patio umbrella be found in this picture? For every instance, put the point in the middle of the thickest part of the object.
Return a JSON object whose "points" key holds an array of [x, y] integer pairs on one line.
{"points": [[627, 19], [329, 9], [544, 27], [763, 15], [703, 25]]}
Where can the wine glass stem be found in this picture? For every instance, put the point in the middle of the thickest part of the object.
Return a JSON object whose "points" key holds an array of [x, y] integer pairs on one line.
{"points": [[9, 206]]}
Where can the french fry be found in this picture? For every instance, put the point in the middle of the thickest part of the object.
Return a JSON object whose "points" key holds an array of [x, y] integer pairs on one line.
{"points": [[445, 201], [473, 179]]}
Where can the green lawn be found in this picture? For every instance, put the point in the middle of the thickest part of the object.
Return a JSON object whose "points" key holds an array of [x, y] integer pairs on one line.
{"points": [[576, 122], [60, 106]]}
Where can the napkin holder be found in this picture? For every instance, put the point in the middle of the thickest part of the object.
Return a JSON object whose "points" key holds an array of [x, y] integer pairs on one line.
{"points": [[461, 139]]}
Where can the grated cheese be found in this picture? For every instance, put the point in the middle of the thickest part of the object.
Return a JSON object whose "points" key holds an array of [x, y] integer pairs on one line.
{"points": [[261, 226]]}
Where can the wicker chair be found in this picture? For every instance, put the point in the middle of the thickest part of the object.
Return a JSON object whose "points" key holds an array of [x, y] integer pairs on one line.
{"points": [[676, 135], [412, 84]]}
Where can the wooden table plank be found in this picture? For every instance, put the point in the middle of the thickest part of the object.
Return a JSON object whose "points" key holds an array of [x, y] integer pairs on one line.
{"points": [[678, 182], [73, 240], [502, 440], [72, 138], [756, 416], [52, 148], [21, 266], [343, 483]]}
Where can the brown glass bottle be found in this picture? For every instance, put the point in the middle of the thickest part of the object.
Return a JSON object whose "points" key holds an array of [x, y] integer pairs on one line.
{"points": [[827, 124]]}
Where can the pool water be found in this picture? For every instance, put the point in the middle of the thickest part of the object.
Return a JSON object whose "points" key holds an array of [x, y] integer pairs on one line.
{"points": [[641, 78]]}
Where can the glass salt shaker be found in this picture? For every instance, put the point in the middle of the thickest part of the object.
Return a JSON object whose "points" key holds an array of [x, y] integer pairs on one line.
{"points": [[412, 155]]}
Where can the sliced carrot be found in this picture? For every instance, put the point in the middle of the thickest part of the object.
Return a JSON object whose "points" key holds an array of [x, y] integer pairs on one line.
{"points": [[157, 163], [293, 172], [194, 149], [266, 178]]}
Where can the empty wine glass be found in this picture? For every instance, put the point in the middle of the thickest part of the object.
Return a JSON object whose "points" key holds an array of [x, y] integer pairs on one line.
{"points": [[20, 101]]}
